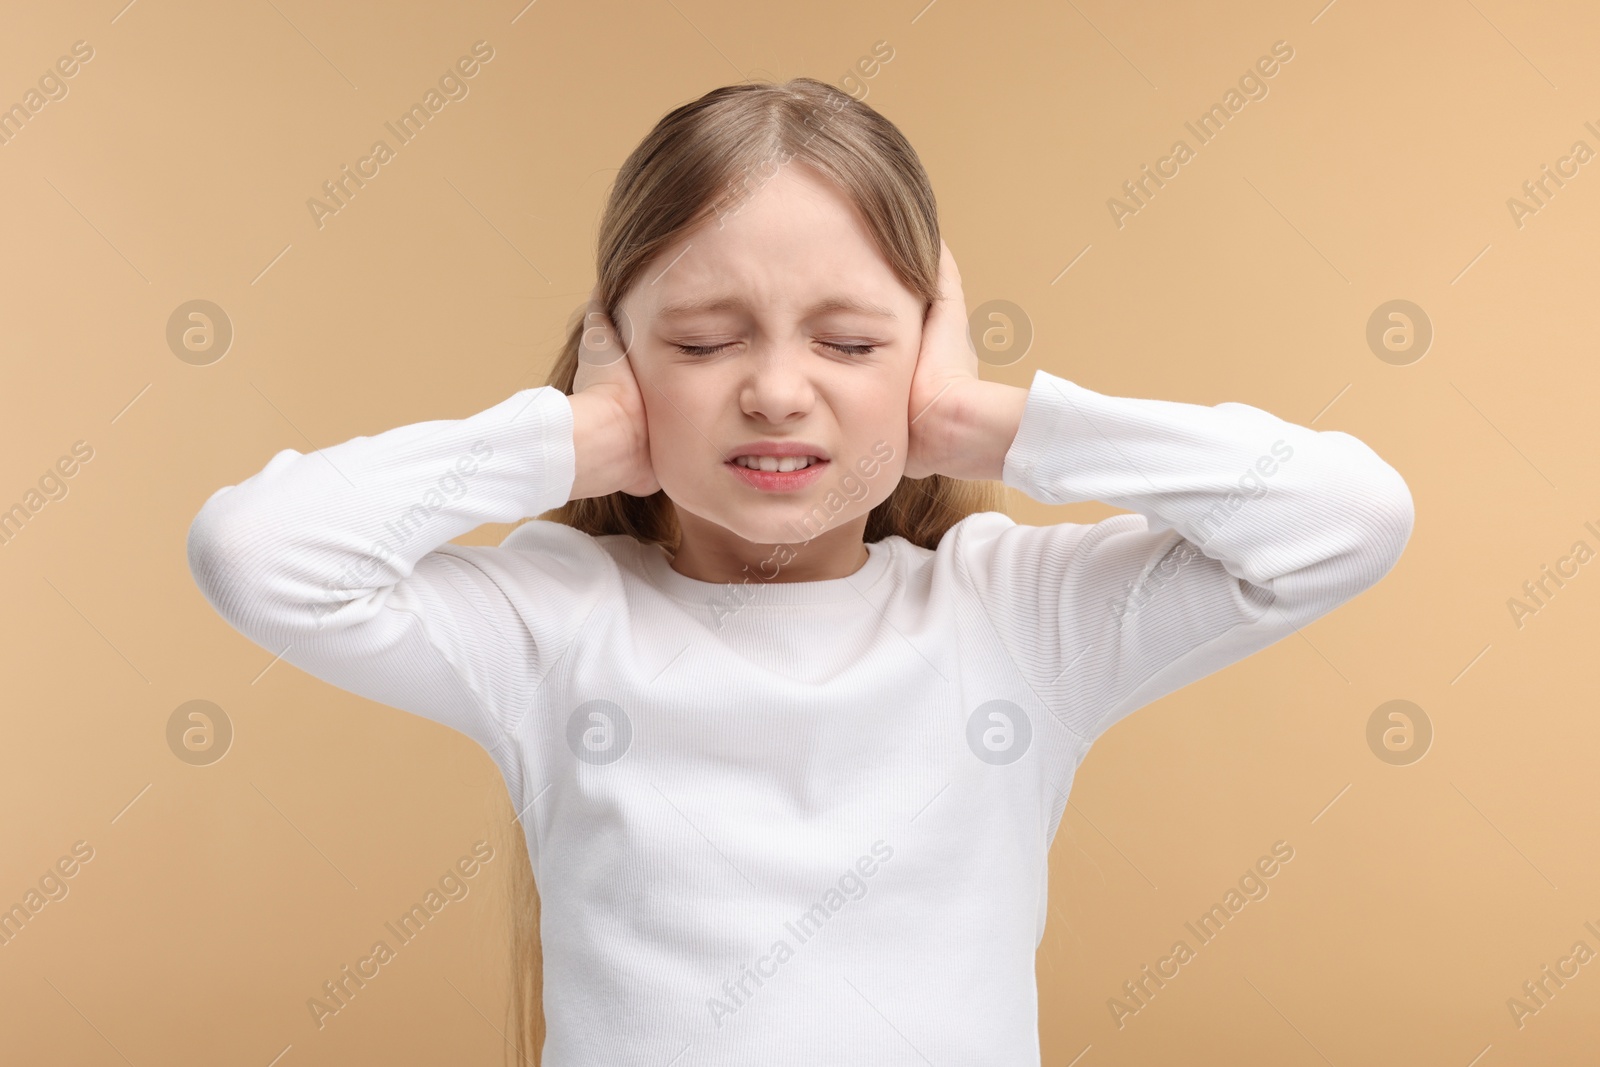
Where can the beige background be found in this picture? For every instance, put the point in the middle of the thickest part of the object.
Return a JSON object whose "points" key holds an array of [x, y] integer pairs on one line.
{"points": [[220, 897]]}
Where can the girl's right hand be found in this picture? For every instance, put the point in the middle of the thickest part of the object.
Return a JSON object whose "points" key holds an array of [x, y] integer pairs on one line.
{"points": [[610, 433]]}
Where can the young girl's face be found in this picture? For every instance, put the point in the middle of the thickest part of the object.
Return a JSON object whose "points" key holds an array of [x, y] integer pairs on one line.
{"points": [[799, 333]]}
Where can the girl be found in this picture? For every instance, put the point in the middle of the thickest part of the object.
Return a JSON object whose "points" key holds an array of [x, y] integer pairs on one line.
{"points": [[787, 708]]}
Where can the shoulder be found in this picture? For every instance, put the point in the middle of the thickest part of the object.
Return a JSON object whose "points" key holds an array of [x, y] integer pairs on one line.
{"points": [[974, 528], [960, 545], [557, 551], [975, 536], [959, 538], [989, 549], [547, 535]]}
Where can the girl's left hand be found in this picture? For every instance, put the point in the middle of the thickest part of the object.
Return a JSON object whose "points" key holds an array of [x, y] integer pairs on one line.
{"points": [[945, 375]]}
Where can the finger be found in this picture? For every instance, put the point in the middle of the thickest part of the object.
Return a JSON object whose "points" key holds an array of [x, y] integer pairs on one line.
{"points": [[943, 287], [949, 274], [947, 316], [951, 324], [601, 343], [947, 262]]}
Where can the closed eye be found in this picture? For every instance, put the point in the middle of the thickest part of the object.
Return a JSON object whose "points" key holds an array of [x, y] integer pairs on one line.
{"points": [[706, 350]]}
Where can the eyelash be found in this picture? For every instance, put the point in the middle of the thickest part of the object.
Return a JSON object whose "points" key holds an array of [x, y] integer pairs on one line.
{"points": [[706, 350]]}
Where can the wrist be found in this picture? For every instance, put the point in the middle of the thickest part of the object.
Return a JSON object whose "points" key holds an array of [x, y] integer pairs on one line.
{"points": [[981, 426], [600, 445]]}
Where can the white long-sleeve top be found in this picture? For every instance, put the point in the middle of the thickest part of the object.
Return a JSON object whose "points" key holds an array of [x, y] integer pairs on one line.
{"points": [[796, 823]]}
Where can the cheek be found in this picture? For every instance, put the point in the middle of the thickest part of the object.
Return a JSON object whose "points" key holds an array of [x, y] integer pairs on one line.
{"points": [[884, 413], [875, 449], [665, 424], [681, 426]]}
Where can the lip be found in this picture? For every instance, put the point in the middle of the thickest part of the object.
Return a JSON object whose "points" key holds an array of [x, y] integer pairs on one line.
{"points": [[778, 448], [778, 481]]}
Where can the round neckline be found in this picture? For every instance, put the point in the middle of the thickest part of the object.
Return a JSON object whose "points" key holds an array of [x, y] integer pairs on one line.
{"points": [[757, 593]]}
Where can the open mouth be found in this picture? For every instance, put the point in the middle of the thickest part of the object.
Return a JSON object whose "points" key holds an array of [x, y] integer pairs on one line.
{"points": [[769, 473]]}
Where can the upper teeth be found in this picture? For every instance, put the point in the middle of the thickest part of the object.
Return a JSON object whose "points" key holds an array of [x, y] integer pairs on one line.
{"points": [[775, 463]]}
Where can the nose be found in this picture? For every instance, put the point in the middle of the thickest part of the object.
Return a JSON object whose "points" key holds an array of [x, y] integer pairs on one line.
{"points": [[777, 388]]}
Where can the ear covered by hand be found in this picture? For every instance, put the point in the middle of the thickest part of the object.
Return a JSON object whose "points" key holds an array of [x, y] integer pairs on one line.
{"points": [[947, 365], [609, 414]]}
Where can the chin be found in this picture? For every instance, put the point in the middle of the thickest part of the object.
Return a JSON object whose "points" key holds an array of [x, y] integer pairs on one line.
{"points": [[782, 526], [780, 522]]}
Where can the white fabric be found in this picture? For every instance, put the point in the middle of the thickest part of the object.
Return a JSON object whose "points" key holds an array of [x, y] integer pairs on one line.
{"points": [[797, 749]]}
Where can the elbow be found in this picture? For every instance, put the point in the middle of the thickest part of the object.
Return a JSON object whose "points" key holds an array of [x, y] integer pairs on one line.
{"points": [[229, 559], [1382, 514], [266, 584], [1359, 540], [1394, 516], [213, 561], [1354, 518]]}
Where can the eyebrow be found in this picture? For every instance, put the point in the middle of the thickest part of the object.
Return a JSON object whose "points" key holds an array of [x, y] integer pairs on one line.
{"points": [[732, 303]]}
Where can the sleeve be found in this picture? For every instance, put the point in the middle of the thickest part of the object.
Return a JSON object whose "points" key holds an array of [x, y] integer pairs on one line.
{"points": [[1244, 528], [338, 562]]}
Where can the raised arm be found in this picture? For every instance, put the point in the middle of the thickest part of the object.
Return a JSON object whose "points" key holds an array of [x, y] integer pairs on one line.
{"points": [[338, 560], [1245, 527]]}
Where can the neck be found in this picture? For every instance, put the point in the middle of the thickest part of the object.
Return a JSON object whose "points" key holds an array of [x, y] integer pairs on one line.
{"points": [[712, 553]]}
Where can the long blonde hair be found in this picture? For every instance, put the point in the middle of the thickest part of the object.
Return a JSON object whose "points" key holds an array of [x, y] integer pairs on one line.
{"points": [[699, 163]]}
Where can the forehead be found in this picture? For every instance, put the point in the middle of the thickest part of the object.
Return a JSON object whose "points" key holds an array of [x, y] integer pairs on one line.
{"points": [[796, 243], [728, 300]]}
